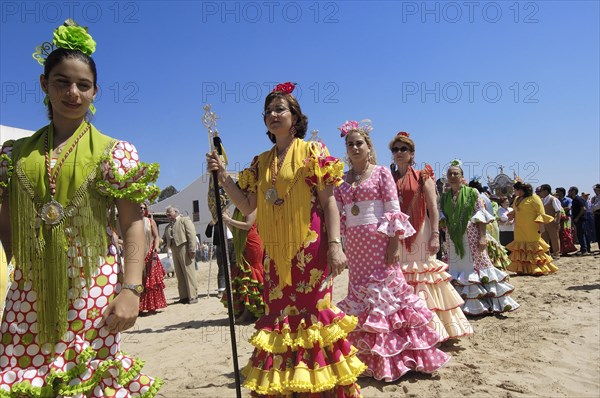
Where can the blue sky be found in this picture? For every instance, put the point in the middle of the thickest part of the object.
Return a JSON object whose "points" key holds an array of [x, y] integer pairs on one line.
{"points": [[492, 83]]}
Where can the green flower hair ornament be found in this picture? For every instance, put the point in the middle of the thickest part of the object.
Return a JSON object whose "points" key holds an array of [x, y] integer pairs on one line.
{"points": [[70, 36], [74, 37], [456, 162]]}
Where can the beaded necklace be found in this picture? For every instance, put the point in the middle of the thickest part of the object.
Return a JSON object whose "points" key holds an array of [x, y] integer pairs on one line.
{"points": [[53, 212], [271, 194]]}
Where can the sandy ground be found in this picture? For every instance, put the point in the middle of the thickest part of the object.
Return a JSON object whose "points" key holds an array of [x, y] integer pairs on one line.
{"points": [[550, 347]]}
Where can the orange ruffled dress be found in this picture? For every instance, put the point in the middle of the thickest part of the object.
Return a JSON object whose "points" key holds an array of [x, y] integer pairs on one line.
{"points": [[426, 274], [529, 252], [301, 344]]}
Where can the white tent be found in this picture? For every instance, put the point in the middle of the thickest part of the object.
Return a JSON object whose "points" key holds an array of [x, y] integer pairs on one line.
{"points": [[12, 133]]}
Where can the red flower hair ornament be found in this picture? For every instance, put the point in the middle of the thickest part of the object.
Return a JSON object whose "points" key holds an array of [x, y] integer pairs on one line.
{"points": [[285, 88], [403, 134]]}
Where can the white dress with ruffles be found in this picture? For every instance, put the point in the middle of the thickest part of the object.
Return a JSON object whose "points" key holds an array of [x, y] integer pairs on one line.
{"points": [[484, 288]]}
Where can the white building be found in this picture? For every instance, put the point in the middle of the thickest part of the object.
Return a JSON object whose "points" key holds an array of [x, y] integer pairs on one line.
{"points": [[192, 201], [12, 133]]}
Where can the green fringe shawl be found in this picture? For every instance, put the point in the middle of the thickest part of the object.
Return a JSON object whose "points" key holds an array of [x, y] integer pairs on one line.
{"points": [[56, 258], [60, 256], [459, 215]]}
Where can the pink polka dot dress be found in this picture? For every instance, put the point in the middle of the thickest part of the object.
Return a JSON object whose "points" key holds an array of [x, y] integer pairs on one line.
{"points": [[392, 335], [87, 360]]}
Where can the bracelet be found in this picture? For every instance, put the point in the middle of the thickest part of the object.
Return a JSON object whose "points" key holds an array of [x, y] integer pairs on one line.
{"points": [[435, 232], [336, 240]]}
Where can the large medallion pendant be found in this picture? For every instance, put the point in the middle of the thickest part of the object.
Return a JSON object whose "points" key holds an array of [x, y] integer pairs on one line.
{"points": [[271, 195], [355, 210], [52, 212]]}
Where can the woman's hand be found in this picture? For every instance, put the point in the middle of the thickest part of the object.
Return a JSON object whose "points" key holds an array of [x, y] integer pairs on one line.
{"points": [[122, 312], [226, 218], [392, 254], [336, 259], [213, 163], [434, 244]]}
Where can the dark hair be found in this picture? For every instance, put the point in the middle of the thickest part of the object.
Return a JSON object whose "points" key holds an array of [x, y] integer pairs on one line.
{"points": [[574, 189], [546, 187], [561, 190], [503, 198], [477, 185], [597, 186], [526, 188], [301, 119], [59, 55]]}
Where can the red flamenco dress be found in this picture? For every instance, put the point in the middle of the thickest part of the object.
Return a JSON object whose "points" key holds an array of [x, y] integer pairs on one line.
{"points": [[300, 344], [247, 277], [153, 297]]}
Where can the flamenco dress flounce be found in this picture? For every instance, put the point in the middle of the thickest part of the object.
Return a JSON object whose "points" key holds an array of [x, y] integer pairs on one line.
{"points": [[483, 287], [531, 258], [431, 281], [393, 336]]}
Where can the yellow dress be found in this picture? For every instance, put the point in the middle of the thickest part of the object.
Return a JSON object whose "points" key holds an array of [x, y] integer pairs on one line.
{"points": [[529, 252]]}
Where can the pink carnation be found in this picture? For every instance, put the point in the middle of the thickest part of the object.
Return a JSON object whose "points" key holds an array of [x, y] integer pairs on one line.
{"points": [[348, 126]]}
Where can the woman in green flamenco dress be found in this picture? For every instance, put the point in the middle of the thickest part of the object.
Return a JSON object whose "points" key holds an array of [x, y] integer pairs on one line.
{"points": [[61, 189]]}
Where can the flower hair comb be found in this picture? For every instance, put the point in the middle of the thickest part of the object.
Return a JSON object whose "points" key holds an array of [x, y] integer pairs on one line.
{"points": [[70, 36], [403, 134], [285, 88], [352, 125]]}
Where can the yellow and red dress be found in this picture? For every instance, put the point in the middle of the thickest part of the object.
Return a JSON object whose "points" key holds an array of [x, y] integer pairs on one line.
{"points": [[301, 341]]}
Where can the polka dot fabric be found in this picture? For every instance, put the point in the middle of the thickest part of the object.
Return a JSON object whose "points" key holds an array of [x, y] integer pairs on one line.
{"points": [[87, 361], [392, 336]]}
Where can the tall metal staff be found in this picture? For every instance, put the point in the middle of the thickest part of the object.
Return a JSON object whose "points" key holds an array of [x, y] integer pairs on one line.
{"points": [[209, 120]]}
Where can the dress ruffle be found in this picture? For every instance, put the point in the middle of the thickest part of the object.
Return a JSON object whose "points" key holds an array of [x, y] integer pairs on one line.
{"points": [[322, 169], [247, 291], [121, 175], [109, 378], [482, 216], [289, 349], [248, 178], [543, 218], [530, 258], [484, 291], [497, 253], [431, 282], [395, 224], [394, 337]]}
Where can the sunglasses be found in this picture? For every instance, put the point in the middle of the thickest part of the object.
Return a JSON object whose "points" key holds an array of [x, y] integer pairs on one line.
{"points": [[401, 149]]}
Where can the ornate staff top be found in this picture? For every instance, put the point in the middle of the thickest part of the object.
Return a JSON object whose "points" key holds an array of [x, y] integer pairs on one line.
{"points": [[209, 120]]}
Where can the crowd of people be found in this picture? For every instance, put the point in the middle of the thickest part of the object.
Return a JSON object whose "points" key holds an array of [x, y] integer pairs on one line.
{"points": [[300, 221]]}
